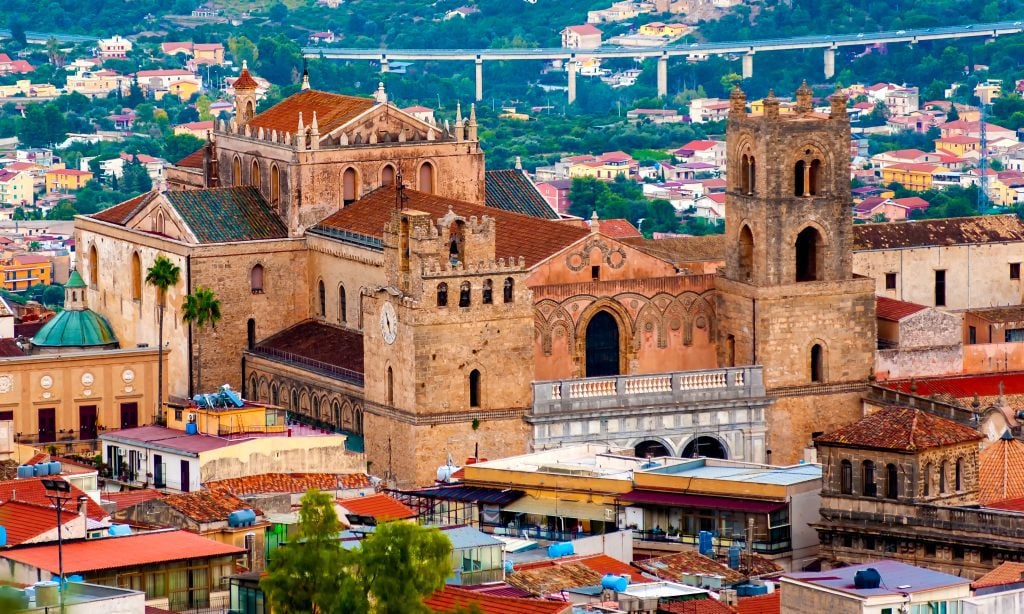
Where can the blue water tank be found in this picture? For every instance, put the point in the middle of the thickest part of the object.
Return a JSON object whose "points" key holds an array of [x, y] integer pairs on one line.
{"points": [[867, 578], [614, 582], [3, 535], [25, 471], [41, 469], [705, 542], [54, 467], [75, 578], [242, 518], [751, 590], [191, 428], [509, 567], [119, 530], [560, 549], [734, 557]]}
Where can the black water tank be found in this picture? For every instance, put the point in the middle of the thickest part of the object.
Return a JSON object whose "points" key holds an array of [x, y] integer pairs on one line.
{"points": [[867, 578]]}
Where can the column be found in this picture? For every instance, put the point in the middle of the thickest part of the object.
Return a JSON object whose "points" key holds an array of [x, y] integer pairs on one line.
{"points": [[663, 76], [572, 80], [479, 78], [384, 64], [748, 65], [830, 62]]}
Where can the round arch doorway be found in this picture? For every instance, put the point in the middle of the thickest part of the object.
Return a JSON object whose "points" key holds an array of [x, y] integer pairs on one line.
{"points": [[602, 345], [651, 449], [708, 447]]}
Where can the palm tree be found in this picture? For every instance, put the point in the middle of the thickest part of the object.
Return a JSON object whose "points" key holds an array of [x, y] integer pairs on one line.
{"points": [[200, 308], [163, 274]]}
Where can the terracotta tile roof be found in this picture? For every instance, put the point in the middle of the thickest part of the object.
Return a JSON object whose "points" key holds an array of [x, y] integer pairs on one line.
{"points": [[312, 340], [224, 215], [761, 604], [890, 309], [193, 160], [962, 387], [332, 111], [674, 566], [683, 249], [1013, 313], [900, 428], [210, 505], [30, 490], [1007, 573], [9, 348], [1010, 505], [511, 190], [708, 605], [380, 506], [601, 563], [912, 202], [947, 231], [553, 579], [451, 598], [129, 498], [1000, 474], [120, 214], [122, 552], [24, 521], [619, 228], [293, 483], [517, 235]]}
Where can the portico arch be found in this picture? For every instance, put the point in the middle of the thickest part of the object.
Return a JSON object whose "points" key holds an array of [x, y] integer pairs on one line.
{"points": [[707, 446], [609, 336]]}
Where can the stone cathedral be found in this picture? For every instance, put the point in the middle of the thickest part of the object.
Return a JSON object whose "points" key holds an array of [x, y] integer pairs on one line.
{"points": [[376, 279]]}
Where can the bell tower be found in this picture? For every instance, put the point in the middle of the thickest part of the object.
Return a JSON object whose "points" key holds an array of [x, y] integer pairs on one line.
{"points": [[788, 298], [244, 88]]}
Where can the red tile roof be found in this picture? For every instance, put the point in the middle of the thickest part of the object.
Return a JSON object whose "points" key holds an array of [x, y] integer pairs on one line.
{"points": [[326, 343], [963, 387], [332, 111], [601, 563], [1007, 573], [945, 231], [121, 552], [210, 505], [584, 29], [24, 521], [708, 605], [193, 160], [914, 167], [518, 235], [901, 428], [451, 598], [380, 506], [290, 483], [619, 228], [120, 214], [30, 490], [674, 566], [912, 202], [245, 80], [999, 473], [761, 604], [892, 310], [1010, 505], [128, 498]]}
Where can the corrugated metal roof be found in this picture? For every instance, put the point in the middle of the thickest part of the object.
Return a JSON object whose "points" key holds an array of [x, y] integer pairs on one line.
{"points": [[451, 598], [379, 506], [468, 537], [476, 494]]}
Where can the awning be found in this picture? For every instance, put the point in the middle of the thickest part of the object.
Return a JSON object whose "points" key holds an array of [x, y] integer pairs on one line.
{"points": [[671, 499], [469, 494], [562, 509]]}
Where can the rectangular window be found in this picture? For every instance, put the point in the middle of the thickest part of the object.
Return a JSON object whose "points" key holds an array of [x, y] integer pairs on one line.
{"points": [[972, 335], [890, 281], [1014, 270], [1014, 335], [940, 288], [595, 273]]}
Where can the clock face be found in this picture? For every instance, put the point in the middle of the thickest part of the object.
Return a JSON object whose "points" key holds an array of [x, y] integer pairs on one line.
{"points": [[388, 323]]}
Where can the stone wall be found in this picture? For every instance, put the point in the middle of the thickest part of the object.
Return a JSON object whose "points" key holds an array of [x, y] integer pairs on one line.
{"points": [[311, 454], [799, 599], [795, 417], [339, 265]]}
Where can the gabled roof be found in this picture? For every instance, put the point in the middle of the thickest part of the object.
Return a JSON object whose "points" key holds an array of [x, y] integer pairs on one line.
{"points": [[30, 490], [902, 429], [380, 506], [215, 215], [332, 111], [584, 29], [1001, 471], [893, 310], [451, 598], [1008, 572], [121, 213], [619, 228], [601, 563], [547, 580], [24, 521], [517, 235], [128, 498], [680, 250], [122, 552], [912, 202], [210, 505], [761, 604], [946, 231], [193, 160], [511, 190], [293, 483]]}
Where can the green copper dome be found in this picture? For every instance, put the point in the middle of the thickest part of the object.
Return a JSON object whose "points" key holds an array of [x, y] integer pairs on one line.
{"points": [[76, 328], [75, 280]]}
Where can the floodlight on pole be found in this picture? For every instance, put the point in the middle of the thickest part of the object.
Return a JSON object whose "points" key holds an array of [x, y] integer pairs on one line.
{"points": [[58, 491]]}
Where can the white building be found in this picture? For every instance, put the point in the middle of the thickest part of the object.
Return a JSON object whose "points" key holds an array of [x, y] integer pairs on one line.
{"points": [[114, 47]]}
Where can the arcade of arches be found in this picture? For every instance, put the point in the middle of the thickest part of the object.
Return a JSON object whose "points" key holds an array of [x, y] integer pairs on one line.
{"points": [[330, 406]]}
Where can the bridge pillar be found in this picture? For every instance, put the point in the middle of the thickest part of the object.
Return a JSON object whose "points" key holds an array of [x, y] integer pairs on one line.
{"points": [[748, 65], [572, 80], [479, 78], [384, 64], [830, 62], [663, 76]]}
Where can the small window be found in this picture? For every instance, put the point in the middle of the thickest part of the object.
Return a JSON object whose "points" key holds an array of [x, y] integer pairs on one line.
{"points": [[870, 490], [390, 387], [256, 279], [940, 288], [322, 294], [892, 482], [236, 171], [1014, 270], [942, 478], [846, 478], [464, 294], [972, 335], [254, 174], [958, 475], [817, 363], [507, 292], [929, 549], [926, 488], [595, 273], [488, 292], [474, 388], [342, 305], [136, 277], [442, 295], [890, 281]]}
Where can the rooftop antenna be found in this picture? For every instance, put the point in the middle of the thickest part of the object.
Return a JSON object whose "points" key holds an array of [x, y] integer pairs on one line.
{"points": [[983, 162], [400, 196]]}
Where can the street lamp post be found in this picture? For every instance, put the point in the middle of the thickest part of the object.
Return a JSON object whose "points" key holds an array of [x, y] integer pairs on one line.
{"points": [[58, 492]]}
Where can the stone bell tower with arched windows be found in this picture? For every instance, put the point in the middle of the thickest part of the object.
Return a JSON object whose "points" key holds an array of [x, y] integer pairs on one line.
{"points": [[788, 298]]}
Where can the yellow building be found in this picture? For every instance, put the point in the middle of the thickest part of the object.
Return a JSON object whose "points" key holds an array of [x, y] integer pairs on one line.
{"points": [[98, 83], [24, 271], [16, 188], [605, 167], [916, 177], [228, 420], [24, 87], [957, 145], [208, 53], [66, 180], [657, 28], [757, 107], [182, 89]]}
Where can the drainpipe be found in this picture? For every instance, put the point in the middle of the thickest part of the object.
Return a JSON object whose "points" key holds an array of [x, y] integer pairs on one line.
{"points": [[188, 290]]}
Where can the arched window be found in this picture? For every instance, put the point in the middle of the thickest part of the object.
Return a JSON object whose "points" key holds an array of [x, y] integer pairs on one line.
{"points": [[254, 175], [814, 177], [275, 186], [94, 266], [846, 478], [474, 388], [507, 291], [250, 110], [390, 387], [456, 242], [161, 223], [349, 182], [322, 296], [869, 489], [942, 478], [387, 175], [799, 187], [752, 186], [808, 254], [236, 171], [256, 279], [958, 484], [426, 178], [136, 277], [342, 305], [403, 240], [926, 488], [295, 400], [464, 294], [442, 294], [892, 482], [746, 270], [730, 350], [744, 173], [488, 292], [274, 398], [817, 363], [250, 333]]}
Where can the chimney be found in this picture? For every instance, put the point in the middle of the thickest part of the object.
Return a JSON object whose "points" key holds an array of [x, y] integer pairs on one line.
{"points": [[83, 514]]}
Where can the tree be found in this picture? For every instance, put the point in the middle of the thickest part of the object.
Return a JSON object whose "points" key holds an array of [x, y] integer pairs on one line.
{"points": [[401, 563], [242, 50], [953, 114], [18, 32], [34, 246], [136, 179], [177, 146], [163, 274], [53, 295], [199, 309], [278, 12]]}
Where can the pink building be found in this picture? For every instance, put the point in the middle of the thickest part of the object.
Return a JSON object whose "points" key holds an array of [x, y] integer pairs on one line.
{"points": [[556, 193]]}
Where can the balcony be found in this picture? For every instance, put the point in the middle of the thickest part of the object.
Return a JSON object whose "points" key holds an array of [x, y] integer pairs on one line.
{"points": [[624, 391]]}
